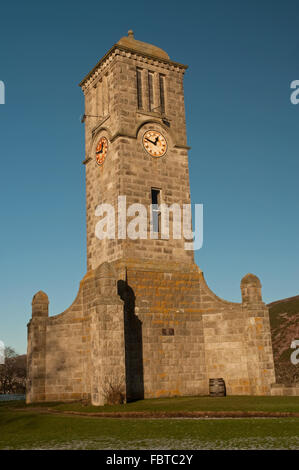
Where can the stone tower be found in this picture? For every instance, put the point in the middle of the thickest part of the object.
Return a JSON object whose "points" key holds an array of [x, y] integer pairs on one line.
{"points": [[133, 90], [144, 316]]}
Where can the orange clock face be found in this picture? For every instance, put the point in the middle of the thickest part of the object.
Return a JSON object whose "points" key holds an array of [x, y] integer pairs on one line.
{"points": [[154, 143], [101, 150]]}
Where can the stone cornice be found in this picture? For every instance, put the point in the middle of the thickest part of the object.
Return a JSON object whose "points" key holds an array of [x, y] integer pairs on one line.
{"points": [[131, 53]]}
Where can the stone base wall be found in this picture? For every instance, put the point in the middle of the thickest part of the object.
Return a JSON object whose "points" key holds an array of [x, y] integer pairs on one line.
{"points": [[75, 355], [285, 390], [190, 335], [155, 328]]}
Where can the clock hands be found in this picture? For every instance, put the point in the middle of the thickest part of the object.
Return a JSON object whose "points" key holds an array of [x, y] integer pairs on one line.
{"points": [[154, 143], [150, 141], [100, 151]]}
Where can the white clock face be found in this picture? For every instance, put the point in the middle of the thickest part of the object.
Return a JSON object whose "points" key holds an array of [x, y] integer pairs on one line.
{"points": [[154, 143]]}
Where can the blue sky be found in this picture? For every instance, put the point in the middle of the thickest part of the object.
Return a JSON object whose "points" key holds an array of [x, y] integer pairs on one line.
{"points": [[241, 125]]}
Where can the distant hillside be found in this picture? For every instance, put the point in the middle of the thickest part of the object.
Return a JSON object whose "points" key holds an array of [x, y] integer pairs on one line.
{"points": [[284, 319]]}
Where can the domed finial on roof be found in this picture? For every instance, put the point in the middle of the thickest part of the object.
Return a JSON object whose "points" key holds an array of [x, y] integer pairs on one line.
{"points": [[251, 279], [40, 297], [251, 289], [40, 305], [131, 43]]}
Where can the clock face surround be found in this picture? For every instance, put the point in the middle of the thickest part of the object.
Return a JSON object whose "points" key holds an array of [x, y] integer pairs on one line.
{"points": [[154, 143], [101, 150]]}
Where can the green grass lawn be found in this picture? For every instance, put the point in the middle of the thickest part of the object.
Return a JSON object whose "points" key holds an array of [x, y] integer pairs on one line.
{"points": [[230, 403], [33, 430], [30, 428]]}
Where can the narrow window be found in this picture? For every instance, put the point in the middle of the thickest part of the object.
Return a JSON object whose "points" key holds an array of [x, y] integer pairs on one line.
{"points": [[162, 93], [156, 210], [150, 90], [139, 88]]}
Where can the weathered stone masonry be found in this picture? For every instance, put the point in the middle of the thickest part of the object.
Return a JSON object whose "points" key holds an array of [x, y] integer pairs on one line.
{"points": [[144, 313]]}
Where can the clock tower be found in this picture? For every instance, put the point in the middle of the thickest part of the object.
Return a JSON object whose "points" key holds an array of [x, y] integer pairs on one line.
{"points": [[144, 323], [136, 149]]}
